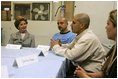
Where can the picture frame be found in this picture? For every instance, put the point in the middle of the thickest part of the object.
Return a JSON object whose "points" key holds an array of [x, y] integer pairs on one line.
{"points": [[5, 10], [21, 9], [41, 11]]}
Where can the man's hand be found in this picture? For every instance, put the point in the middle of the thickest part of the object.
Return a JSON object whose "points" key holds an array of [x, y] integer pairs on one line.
{"points": [[54, 42]]}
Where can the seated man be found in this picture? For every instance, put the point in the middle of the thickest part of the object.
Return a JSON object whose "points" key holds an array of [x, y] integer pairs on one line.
{"points": [[64, 36], [85, 50]]}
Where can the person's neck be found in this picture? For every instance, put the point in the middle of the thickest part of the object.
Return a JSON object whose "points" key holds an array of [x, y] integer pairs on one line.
{"points": [[64, 32], [22, 31], [80, 32]]}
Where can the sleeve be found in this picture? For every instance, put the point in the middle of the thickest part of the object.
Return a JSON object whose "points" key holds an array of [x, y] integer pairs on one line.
{"points": [[55, 36], [80, 51], [11, 39], [68, 45], [71, 38], [33, 41], [113, 70]]}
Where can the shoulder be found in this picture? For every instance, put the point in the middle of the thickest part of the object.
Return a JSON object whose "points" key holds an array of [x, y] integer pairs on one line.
{"points": [[89, 36], [56, 34], [15, 34], [71, 33], [30, 35]]}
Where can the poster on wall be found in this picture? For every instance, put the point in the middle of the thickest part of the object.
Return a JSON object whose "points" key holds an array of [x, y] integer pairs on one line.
{"points": [[41, 11], [5, 10], [21, 9]]}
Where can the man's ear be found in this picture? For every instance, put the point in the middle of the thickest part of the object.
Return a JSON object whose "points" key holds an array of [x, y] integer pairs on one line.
{"points": [[82, 26]]}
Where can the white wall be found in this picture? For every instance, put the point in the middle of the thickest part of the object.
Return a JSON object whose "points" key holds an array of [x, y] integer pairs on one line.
{"points": [[43, 30], [98, 12]]}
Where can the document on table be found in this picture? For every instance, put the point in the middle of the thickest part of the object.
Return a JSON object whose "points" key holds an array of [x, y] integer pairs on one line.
{"points": [[44, 49]]}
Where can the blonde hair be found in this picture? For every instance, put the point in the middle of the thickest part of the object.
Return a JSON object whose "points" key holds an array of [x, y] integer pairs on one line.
{"points": [[113, 17]]}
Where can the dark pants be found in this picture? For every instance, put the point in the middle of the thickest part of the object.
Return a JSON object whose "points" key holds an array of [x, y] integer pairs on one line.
{"points": [[70, 68]]}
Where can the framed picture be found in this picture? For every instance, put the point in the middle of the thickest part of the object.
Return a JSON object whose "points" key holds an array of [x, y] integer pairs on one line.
{"points": [[22, 10], [6, 11], [41, 11]]}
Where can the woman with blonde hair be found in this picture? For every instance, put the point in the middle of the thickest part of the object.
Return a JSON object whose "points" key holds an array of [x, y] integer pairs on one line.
{"points": [[109, 69]]}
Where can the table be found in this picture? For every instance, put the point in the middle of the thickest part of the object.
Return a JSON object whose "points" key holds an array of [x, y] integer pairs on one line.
{"points": [[50, 66]]}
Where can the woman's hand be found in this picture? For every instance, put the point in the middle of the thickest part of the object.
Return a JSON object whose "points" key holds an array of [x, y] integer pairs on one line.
{"points": [[80, 72]]}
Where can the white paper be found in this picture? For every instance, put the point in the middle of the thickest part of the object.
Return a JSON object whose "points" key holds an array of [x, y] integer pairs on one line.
{"points": [[13, 46], [4, 72], [26, 60], [44, 49]]}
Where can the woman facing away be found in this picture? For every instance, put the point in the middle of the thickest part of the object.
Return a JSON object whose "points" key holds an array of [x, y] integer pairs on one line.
{"points": [[109, 69]]}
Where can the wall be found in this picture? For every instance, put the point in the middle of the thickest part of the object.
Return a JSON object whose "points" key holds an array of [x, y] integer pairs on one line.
{"points": [[98, 12], [43, 30]]}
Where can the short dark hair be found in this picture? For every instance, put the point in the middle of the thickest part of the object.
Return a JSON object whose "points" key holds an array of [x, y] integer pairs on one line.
{"points": [[84, 18], [18, 20]]}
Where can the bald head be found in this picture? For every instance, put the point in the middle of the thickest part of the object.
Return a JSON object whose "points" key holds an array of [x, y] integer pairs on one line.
{"points": [[83, 18], [63, 19], [62, 24]]}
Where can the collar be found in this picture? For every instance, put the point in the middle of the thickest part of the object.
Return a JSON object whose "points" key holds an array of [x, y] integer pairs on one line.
{"points": [[65, 32], [82, 33]]}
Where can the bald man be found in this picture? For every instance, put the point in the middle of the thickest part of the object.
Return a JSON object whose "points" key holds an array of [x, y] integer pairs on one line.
{"points": [[64, 36], [85, 50]]}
